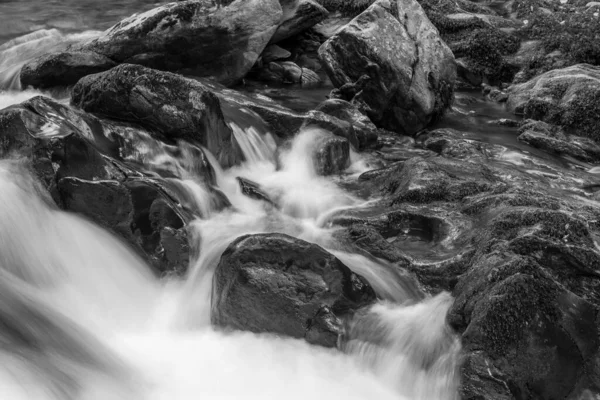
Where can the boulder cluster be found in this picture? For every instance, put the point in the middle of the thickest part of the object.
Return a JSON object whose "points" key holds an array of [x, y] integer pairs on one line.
{"points": [[518, 251]]}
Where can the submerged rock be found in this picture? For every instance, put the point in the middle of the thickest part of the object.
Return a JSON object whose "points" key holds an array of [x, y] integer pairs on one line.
{"points": [[177, 107], [192, 37], [568, 97], [278, 284], [411, 71]]}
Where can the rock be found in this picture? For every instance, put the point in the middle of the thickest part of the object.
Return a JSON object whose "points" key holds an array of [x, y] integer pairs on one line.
{"points": [[138, 211], [253, 190], [331, 124], [285, 123], [423, 181], [310, 78], [568, 97], [279, 284], [483, 51], [553, 140], [63, 69], [411, 70], [191, 37], [366, 131], [281, 72], [71, 153], [332, 155], [274, 53], [306, 14], [536, 336], [177, 107]]}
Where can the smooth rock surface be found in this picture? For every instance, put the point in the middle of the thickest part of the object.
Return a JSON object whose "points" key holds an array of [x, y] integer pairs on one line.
{"points": [[278, 284]]}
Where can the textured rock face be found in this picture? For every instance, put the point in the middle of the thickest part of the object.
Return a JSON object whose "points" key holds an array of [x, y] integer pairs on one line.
{"points": [[63, 69], [306, 14], [554, 140], [411, 71], [568, 97], [519, 257], [332, 155], [276, 283], [177, 107], [192, 37], [67, 150]]}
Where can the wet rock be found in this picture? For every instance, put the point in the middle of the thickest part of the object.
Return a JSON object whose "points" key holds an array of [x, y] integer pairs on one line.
{"points": [[253, 190], [411, 70], [482, 50], [366, 131], [331, 124], [368, 240], [553, 140], [535, 338], [332, 155], [63, 69], [279, 284], [287, 72], [310, 78], [177, 107], [421, 181], [191, 37], [568, 97], [71, 152], [306, 14], [137, 210], [274, 53]]}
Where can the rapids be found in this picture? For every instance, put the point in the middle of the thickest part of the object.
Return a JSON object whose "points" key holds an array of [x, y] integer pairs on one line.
{"points": [[83, 318]]}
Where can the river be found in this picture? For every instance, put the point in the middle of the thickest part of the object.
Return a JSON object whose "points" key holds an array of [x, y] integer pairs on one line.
{"points": [[82, 317]]}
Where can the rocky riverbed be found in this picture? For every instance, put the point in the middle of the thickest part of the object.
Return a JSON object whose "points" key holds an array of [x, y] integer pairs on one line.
{"points": [[413, 184]]}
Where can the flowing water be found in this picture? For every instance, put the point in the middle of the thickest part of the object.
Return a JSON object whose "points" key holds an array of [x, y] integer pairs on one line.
{"points": [[82, 317]]}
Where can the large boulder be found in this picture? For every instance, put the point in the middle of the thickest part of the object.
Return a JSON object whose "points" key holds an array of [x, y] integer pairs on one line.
{"points": [[175, 106], [411, 71], [276, 283], [192, 37], [568, 97]]}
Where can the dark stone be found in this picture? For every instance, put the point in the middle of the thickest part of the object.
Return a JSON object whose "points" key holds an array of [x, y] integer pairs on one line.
{"points": [[177, 107], [305, 15], [253, 190], [63, 69], [138, 211], [331, 124], [276, 283], [365, 130], [332, 155], [190, 37]]}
